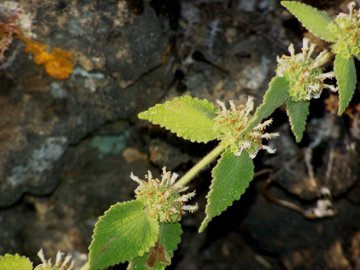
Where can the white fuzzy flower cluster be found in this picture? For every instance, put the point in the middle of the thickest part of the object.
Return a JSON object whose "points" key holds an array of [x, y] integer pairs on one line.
{"points": [[231, 123], [163, 198], [346, 29], [304, 74], [60, 264]]}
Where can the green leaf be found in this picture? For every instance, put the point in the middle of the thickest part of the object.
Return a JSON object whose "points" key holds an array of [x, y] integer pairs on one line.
{"points": [[231, 177], [123, 233], [275, 96], [160, 255], [139, 263], [314, 20], [15, 262], [190, 118], [297, 112], [345, 74]]}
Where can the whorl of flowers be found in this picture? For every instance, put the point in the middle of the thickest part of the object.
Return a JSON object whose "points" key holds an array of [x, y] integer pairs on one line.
{"points": [[163, 198], [60, 264], [231, 123], [304, 74], [346, 28]]}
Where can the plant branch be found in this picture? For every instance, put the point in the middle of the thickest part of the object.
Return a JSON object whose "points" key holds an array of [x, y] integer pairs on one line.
{"points": [[200, 165]]}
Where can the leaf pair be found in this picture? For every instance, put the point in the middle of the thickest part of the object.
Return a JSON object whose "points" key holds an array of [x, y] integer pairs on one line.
{"points": [[193, 119], [277, 95], [318, 22], [126, 232]]}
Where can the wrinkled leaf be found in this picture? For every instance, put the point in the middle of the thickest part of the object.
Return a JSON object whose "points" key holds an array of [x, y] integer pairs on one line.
{"points": [[15, 262], [160, 255], [314, 20], [345, 73], [124, 232], [297, 112], [231, 177], [275, 96], [189, 118]]}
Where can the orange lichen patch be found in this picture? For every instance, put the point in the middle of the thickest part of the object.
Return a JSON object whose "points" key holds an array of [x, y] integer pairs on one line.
{"points": [[58, 62]]}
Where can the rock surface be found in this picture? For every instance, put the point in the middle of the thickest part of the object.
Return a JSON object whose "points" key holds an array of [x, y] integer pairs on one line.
{"points": [[78, 139], [114, 52]]}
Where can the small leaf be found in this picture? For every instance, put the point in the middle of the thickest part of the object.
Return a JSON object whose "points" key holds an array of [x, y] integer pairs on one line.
{"points": [[123, 233], [345, 74], [15, 262], [314, 20], [190, 118], [231, 177], [275, 96], [297, 112], [160, 255], [170, 236]]}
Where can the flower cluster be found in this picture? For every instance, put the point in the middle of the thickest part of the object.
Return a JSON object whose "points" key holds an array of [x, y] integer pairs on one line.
{"points": [[163, 198], [304, 74], [60, 264], [346, 28], [231, 124]]}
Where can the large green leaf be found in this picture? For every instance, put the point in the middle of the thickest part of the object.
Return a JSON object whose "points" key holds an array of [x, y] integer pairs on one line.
{"points": [[314, 20], [231, 177], [123, 233], [297, 112], [190, 118], [160, 255], [345, 73], [275, 96], [15, 262]]}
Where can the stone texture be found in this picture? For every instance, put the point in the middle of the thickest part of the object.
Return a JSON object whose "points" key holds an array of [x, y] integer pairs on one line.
{"points": [[328, 159], [239, 49], [115, 51]]}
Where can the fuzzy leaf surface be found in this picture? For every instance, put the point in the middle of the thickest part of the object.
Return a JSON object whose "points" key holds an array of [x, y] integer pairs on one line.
{"points": [[188, 117], [15, 262], [275, 96], [231, 177], [345, 73], [297, 112], [314, 20], [124, 232], [160, 255]]}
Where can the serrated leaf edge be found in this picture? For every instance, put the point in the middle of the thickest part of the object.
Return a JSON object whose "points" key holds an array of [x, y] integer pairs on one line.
{"points": [[16, 257], [259, 113], [297, 138], [283, 3], [139, 254], [179, 134], [171, 252], [207, 219], [180, 234], [340, 112]]}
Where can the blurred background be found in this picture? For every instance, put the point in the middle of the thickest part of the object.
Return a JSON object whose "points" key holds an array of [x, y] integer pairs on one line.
{"points": [[74, 74]]}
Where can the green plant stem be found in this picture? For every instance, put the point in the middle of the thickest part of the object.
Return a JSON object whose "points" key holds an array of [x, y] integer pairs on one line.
{"points": [[183, 181]]}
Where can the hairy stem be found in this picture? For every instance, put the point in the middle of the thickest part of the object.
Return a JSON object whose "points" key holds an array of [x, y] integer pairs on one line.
{"points": [[200, 166]]}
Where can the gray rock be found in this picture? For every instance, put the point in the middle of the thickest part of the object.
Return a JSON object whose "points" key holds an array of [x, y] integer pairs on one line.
{"points": [[114, 52], [329, 160]]}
